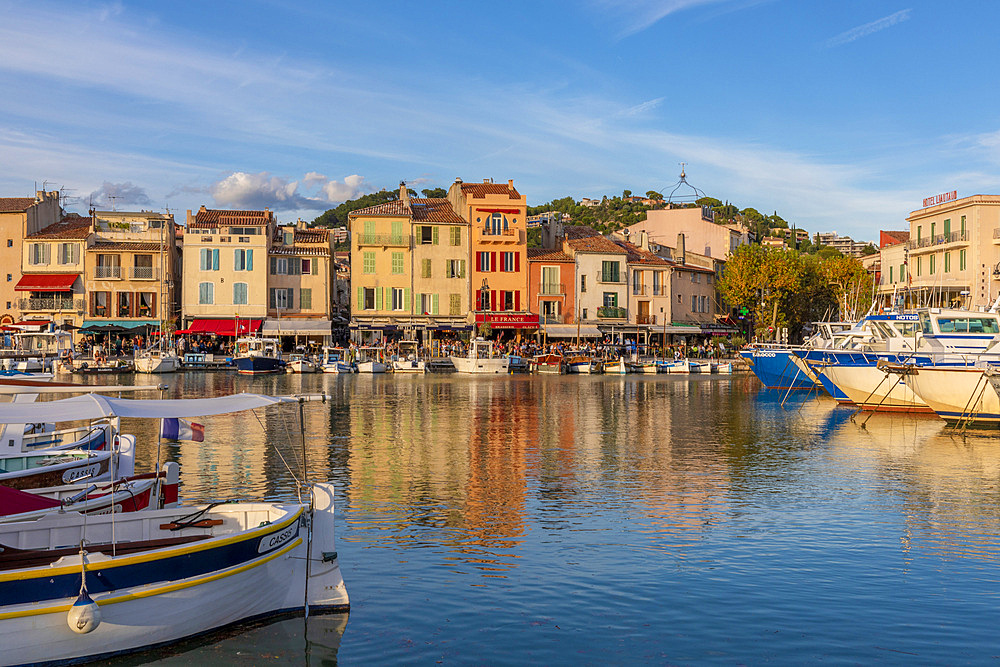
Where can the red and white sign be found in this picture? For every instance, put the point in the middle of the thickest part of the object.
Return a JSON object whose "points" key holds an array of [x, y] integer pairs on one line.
{"points": [[508, 320], [941, 198]]}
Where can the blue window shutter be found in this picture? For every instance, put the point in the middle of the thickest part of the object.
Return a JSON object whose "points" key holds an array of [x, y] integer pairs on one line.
{"points": [[250, 259], [215, 259]]}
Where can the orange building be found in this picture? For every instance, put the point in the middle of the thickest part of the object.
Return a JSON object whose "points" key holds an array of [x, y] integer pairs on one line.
{"points": [[498, 275], [551, 277]]}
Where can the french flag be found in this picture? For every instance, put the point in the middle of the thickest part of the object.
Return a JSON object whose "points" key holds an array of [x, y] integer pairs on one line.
{"points": [[181, 429]]}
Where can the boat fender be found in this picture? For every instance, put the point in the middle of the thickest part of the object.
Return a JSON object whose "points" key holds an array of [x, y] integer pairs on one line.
{"points": [[84, 616]]}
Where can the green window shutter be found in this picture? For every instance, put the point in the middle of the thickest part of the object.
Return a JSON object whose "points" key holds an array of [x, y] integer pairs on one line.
{"points": [[272, 298], [425, 268], [461, 268], [305, 298], [361, 298], [315, 266], [274, 265], [434, 308], [378, 299], [369, 227], [456, 305], [434, 235], [406, 299]]}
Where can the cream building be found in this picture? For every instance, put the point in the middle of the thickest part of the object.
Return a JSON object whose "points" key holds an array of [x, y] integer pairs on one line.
{"points": [[225, 260], [130, 270], [601, 290], [953, 255], [300, 282], [52, 268], [701, 233], [19, 218]]}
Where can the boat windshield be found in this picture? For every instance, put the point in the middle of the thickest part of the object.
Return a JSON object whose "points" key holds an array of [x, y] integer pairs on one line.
{"points": [[981, 325]]}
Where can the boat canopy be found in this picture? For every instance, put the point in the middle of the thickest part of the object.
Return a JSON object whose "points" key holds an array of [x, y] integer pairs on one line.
{"points": [[96, 406]]}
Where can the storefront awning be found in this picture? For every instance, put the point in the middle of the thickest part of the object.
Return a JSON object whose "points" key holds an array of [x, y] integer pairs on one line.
{"points": [[570, 331], [508, 320], [292, 327], [46, 282], [223, 327], [125, 324]]}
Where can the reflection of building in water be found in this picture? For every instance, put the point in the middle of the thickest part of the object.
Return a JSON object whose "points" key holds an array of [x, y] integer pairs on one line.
{"points": [[502, 422]]}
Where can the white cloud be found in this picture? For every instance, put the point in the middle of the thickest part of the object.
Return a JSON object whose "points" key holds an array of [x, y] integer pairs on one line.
{"points": [[119, 194], [860, 31], [262, 190]]}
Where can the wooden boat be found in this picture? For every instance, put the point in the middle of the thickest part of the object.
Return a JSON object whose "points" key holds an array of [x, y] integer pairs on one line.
{"points": [[408, 360], [722, 368], [481, 359], [301, 363], [582, 364], [550, 364], [699, 366], [156, 360], [335, 360], [149, 578], [614, 367], [643, 367], [257, 356], [677, 367], [371, 360], [129, 494]]}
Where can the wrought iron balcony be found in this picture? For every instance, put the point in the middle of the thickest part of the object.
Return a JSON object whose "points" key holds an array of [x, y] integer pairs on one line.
{"points": [[393, 240], [645, 319], [553, 288], [108, 272], [37, 304], [142, 273], [611, 277]]}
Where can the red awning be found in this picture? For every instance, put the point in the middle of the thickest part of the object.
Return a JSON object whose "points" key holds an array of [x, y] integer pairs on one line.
{"points": [[508, 320], [223, 327], [46, 282]]}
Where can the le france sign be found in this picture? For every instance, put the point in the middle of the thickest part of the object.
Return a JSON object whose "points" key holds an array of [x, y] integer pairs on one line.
{"points": [[941, 198]]}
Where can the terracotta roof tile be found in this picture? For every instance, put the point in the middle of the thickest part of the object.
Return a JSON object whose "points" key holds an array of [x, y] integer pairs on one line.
{"points": [[395, 207], [480, 190], [595, 244], [70, 227], [435, 210], [637, 255], [547, 255], [15, 204], [291, 250], [125, 245], [216, 217]]}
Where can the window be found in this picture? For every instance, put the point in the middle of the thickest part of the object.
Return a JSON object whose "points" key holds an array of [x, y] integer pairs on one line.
{"points": [[890, 275], [902, 272], [239, 294], [636, 282], [428, 235], [305, 298], [963, 227], [483, 261], [39, 253], [694, 304], [69, 253], [680, 298], [508, 300], [308, 266], [10, 242], [920, 265], [583, 283], [124, 304], [704, 304], [209, 259], [961, 256], [455, 235], [455, 304], [428, 304], [396, 298], [933, 225], [483, 299], [397, 262], [99, 304], [367, 298], [509, 262], [609, 272], [146, 304], [499, 223], [932, 262], [947, 228], [611, 299], [368, 263], [919, 228], [206, 293], [947, 262], [455, 268], [281, 298], [425, 268], [550, 280], [243, 259], [288, 238]]}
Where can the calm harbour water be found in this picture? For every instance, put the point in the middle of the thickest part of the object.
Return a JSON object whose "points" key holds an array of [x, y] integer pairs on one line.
{"points": [[564, 519]]}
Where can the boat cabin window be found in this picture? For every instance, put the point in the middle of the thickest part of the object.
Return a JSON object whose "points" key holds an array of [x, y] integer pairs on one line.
{"points": [[968, 325], [925, 323]]}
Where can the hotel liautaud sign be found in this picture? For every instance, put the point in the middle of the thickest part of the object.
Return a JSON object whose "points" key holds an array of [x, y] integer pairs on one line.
{"points": [[941, 198]]}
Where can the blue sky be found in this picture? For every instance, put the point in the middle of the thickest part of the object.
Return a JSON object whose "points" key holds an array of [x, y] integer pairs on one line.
{"points": [[840, 115]]}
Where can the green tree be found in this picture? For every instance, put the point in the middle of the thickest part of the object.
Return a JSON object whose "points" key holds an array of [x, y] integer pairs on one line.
{"points": [[869, 250], [337, 217], [626, 194], [850, 284], [435, 193], [654, 195]]}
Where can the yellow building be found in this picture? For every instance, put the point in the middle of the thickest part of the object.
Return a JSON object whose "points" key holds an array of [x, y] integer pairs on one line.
{"points": [[52, 270], [130, 269], [225, 259], [19, 218], [300, 281], [498, 262], [953, 255], [409, 267]]}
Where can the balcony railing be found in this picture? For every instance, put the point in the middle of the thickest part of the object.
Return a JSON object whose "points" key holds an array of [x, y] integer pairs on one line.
{"points": [[645, 319], [610, 277], [105, 272], [550, 319], [553, 288], [611, 312], [394, 240], [50, 304], [939, 239], [501, 232], [142, 273]]}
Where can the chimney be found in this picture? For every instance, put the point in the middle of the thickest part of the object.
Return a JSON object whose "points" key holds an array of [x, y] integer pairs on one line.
{"points": [[681, 259], [404, 194], [510, 183], [644, 239]]}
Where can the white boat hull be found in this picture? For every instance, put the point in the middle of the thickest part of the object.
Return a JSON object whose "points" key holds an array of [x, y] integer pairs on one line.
{"points": [[371, 367], [165, 364], [408, 366], [615, 367], [869, 388], [956, 393], [486, 366]]}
